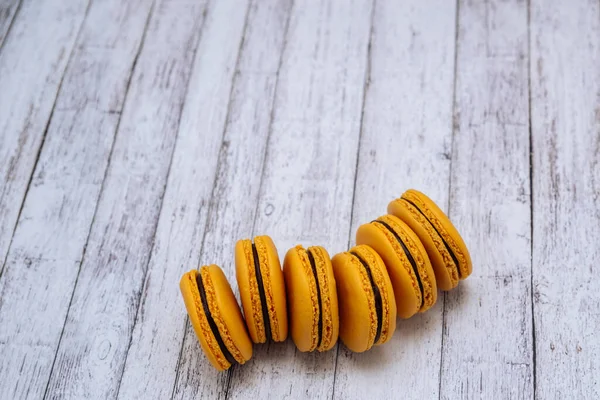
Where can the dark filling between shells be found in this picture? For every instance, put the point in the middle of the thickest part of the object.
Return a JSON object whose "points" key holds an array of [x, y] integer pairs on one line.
{"points": [[314, 270], [261, 293], [211, 321], [376, 294], [409, 256], [441, 237]]}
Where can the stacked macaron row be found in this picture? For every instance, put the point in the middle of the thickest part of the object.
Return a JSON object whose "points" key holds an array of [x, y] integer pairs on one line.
{"points": [[399, 262]]}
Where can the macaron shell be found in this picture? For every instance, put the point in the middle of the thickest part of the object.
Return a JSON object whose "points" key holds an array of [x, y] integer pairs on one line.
{"points": [[331, 325], [404, 280], [419, 255], [302, 300], [453, 236], [444, 267], [356, 323], [446, 279], [274, 287], [383, 281], [407, 299], [193, 305], [247, 284], [358, 319], [228, 316]]}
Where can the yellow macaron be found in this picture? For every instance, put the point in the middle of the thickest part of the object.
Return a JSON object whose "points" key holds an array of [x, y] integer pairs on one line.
{"points": [[216, 317], [311, 298], [366, 299], [446, 249], [406, 261], [262, 289]]}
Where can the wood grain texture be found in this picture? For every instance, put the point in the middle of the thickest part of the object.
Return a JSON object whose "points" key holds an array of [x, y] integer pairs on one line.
{"points": [[51, 235], [308, 177], [141, 139], [236, 188], [405, 143], [8, 10], [96, 336], [152, 361], [32, 63], [487, 342], [565, 118]]}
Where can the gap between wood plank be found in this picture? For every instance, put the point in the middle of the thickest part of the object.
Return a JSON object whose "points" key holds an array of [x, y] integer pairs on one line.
{"points": [[366, 85], [452, 133], [10, 24], [214, 185], [135, 60], [534, 356]]}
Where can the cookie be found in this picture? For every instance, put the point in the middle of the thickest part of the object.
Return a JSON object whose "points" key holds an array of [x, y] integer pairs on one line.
{"points": [[311, 298], [444, 245], [216, 317], [262, 289]]}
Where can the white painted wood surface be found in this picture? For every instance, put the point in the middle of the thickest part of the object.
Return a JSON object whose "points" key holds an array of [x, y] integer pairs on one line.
{"points": [[141, 139], [487, 338], [35, 53], [565, 124], [50, 238], [8, 10], [97, 333]]}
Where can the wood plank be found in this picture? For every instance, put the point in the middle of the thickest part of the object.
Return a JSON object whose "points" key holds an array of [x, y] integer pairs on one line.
{"points": [[565, 117], [152, 360], [57, 214], [32, 63], [487, 343], [8, 10], [406, 142], [307, 186], [235, 195], [97, 333]]}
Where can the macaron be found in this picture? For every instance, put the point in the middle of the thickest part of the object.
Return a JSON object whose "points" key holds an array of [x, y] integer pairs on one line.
{"points": [[311, 298], [446, 249], [262, 289], [216, 317], [366, 298], [406, 260]]}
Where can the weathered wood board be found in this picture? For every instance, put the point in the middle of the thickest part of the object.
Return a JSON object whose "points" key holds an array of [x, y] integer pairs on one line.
{"points": [[141, 139], [487, 342], [565, 126]]}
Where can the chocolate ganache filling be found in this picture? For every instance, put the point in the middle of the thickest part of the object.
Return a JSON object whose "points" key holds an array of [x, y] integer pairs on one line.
{"points": [[438, 232], [211, 321], [314, 270], [261, 294], [376, 294], [408, 255]]}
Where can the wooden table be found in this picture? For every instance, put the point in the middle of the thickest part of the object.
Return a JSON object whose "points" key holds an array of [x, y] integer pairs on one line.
{"points": [[141, 139]]}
